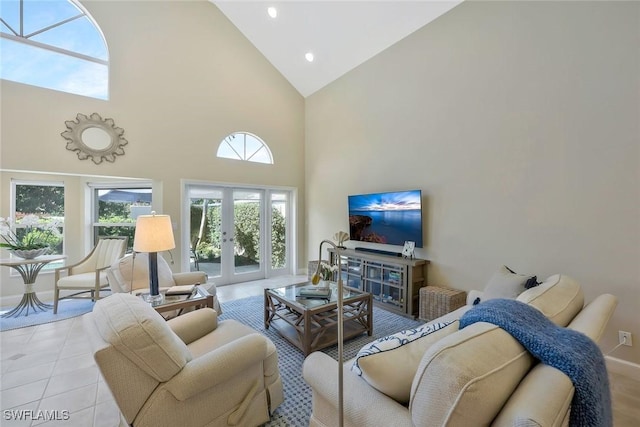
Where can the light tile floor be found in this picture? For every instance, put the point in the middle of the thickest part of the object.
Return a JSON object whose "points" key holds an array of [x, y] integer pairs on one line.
{"points": [[50, 368]]}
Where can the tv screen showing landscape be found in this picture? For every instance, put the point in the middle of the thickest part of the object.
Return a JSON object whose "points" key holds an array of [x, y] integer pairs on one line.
{"points": [[388, 218]]}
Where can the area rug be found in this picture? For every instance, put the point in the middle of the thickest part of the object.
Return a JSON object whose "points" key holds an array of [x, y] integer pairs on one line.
{"points": [[66, 310], [296, 409]]}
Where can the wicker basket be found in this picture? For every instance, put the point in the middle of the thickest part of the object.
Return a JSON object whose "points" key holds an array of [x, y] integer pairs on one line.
{"points": [[436, 301]]}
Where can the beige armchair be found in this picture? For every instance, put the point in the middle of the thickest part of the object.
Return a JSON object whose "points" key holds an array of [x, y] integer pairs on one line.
{"points": [[130, 274], [88, 275], [189, 371]]}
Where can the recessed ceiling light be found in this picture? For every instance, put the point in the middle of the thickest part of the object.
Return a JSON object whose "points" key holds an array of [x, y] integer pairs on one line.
{"points": [[272, 11], [309, 56]]}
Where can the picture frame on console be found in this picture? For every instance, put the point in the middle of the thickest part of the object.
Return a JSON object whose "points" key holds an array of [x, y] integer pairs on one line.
{"points": [[408, 249]]}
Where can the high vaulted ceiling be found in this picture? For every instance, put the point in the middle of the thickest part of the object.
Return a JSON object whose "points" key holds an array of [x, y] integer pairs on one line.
{"points": [[340, 34]]}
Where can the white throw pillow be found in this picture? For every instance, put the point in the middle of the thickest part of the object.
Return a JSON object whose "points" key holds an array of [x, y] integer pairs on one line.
{"points": [[505, 284], [389, 364], [133, 272]]}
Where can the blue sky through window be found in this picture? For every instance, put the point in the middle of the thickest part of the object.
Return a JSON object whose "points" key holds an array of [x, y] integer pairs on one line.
{"points": [[30, 63]]}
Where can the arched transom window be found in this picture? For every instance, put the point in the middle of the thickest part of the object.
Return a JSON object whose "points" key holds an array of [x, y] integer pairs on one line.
{"points": [[53, 44], [245, 146]]}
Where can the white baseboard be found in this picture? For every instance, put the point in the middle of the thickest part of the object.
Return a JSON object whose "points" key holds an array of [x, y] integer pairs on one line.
{"points": [[622, 367]]}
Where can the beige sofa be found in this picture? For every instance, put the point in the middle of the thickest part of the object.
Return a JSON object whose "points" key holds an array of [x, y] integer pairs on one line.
{"points": [[476, 376], [189, 371]]}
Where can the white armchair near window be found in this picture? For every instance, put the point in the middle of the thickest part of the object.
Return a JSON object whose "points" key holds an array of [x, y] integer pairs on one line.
{"points": [[88, 275]]}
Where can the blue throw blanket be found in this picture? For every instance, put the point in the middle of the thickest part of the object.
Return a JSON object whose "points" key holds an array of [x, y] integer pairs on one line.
{"points": [[567, 350]]}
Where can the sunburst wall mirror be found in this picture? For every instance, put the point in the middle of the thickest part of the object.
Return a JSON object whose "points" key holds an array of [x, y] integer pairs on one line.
{"points": [[94, 138]]}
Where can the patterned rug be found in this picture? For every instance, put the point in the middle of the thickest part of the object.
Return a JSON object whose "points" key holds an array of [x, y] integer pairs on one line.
{"points": [[66, 310], [296, 409]]}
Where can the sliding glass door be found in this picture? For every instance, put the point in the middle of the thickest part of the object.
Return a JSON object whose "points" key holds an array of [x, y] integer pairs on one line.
{"points": [[238, 234]]}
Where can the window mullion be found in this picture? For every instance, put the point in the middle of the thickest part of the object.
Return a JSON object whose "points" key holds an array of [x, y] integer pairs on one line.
{"points": [[35, 33], [21, 18], [53, 48], [9, 26]]}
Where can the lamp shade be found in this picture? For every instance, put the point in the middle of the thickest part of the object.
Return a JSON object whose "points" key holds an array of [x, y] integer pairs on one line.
{"points": [[153, 234]]}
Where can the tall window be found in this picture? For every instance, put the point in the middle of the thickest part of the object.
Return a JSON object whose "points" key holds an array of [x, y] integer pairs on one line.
{"points": [[53, 44], [45, 201], [245, 146], [116, 209]]}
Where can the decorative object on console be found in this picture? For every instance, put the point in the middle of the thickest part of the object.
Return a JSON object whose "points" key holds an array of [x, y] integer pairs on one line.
{"points": [[315, 280], [408, 249], [94, 138], [340, 237], [153, 234]]}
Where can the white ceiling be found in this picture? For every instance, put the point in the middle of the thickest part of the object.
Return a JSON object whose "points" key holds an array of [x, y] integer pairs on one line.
{"points": [[340, 34]]}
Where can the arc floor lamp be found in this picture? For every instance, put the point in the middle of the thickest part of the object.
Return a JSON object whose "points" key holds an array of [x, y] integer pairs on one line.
{"points": [[315, 280]]}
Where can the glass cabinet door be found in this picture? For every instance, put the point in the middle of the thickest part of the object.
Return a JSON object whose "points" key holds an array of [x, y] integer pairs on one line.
{"points": [[351, 271]]}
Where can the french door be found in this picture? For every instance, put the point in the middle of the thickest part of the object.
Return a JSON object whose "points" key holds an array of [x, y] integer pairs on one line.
{"points": [[238, 234]]}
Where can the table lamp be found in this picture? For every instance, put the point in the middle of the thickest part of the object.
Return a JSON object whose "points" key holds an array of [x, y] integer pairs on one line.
{"points": [[315, 280], [153, 234]]}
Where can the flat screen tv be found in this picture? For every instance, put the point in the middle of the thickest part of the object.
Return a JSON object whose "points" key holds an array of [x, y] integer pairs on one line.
{"points": [[389, 218]]}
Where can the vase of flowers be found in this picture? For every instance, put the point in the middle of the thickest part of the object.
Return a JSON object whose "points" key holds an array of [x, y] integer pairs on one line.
{"points": [[31, 239], [327, 272]]}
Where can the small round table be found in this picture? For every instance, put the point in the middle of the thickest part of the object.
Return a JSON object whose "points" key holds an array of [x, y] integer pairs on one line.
{"points": [[29, 269]]}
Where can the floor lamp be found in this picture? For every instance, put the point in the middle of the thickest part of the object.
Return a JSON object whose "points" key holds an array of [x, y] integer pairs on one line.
{"points": [[153, 234], [315, 280]]}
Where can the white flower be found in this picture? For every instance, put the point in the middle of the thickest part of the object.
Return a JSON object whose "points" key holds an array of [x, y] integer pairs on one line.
{"points": [[30, 220], [35, 233], [326, 270], [5, 228]]}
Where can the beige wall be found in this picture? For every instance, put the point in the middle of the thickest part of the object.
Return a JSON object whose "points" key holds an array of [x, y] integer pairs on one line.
{"points": [[182, 77], [520, 123]]}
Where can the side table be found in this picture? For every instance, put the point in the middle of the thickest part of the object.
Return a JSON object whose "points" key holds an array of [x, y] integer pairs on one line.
{"points": [[29, 269], [200, 298], [436, 301]]}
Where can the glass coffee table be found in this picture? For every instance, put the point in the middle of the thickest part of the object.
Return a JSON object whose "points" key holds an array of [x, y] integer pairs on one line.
{"points": [[310, 323], [199, 298]]}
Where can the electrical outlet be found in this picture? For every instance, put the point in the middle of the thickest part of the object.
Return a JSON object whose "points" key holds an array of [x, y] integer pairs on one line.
{"points": [[624, 338]]}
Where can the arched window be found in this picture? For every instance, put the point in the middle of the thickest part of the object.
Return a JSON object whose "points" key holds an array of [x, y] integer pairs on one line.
{"points": [[245, 146], [53, 44]]}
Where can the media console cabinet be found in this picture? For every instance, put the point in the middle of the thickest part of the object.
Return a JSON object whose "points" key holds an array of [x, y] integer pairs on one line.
{"points": [[394, 282]]}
